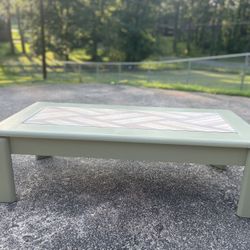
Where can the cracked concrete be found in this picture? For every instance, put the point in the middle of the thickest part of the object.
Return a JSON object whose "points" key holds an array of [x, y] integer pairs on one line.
{"points": [[81, 203]]}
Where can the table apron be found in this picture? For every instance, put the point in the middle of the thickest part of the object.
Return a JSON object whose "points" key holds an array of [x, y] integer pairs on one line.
{"points": [[129, 151]]}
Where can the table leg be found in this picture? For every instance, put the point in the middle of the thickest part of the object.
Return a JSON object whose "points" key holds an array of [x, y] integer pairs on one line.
{"points": [[42, 157], [244, 202], [7, 185], [219, 167]]}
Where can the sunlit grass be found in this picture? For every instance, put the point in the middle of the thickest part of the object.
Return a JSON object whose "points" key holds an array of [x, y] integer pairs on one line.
{"points": [[163, 80], [171, 76], [192, 87], [79, 55], [15, 33]]}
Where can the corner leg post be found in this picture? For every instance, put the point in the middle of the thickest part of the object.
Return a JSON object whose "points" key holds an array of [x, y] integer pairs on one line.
{"points": [[42, 157], [7, 184], [219, 167], [244, 202]]}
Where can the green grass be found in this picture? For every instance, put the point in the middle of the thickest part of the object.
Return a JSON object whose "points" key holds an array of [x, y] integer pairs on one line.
{"points": [[79, 55], [198, 80], [202, 78], [194, 88]]}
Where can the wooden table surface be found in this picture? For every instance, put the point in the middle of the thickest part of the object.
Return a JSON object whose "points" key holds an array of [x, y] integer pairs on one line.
{"points": [[206, 127]]}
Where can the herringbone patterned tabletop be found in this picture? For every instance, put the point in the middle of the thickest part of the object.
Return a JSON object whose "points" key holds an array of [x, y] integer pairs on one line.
{"points": [[131, 119]]}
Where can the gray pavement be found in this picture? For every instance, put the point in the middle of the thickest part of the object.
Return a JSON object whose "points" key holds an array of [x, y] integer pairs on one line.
{"points": [[80, 203]]}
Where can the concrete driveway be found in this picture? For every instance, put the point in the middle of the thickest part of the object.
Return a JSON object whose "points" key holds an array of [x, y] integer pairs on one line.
{"points": [[79, 203]]}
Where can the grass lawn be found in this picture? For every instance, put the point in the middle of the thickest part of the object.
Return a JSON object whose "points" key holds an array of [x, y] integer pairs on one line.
{"points": [[195, 80], [212, 77]]}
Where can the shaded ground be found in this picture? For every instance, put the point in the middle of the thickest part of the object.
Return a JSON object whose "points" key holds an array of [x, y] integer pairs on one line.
{"points": [[78, 203]]}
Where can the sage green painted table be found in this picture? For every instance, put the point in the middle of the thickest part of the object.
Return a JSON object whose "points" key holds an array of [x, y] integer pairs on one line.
{"points": [[205, 136]]}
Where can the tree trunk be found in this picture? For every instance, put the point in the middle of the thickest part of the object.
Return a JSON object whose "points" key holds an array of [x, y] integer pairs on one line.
{"points": [[43, 40], [176, 24], [190, 28], [213, 39], [12, 47], [20, 30], [189, 32], [218, 47], [94, 51]]}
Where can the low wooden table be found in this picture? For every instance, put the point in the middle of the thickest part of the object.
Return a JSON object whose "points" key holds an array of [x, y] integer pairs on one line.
{"points": [[205, 136]]}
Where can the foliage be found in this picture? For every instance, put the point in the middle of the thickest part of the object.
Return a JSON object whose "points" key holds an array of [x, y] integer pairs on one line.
{"points": [[62, 28], [132, 30], [134, 24]]}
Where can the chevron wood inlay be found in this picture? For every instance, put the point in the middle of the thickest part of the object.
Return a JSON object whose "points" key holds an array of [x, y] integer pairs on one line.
{"points": [[131, 119]]}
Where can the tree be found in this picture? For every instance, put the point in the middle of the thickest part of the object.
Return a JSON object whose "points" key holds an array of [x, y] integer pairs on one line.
{"points": [[177, 6], [239, 34], [4, 35], [6, 12], [63, 26], [44, 65], [131, 30], [20, 28], [96, 26], [135, 26]]}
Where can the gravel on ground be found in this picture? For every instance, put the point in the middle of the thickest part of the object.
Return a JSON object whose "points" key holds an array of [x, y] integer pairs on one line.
{"points": [[82, 203]]}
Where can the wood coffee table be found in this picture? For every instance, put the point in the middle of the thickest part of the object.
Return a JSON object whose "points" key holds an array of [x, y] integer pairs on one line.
{"points": [[205, 136]]}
